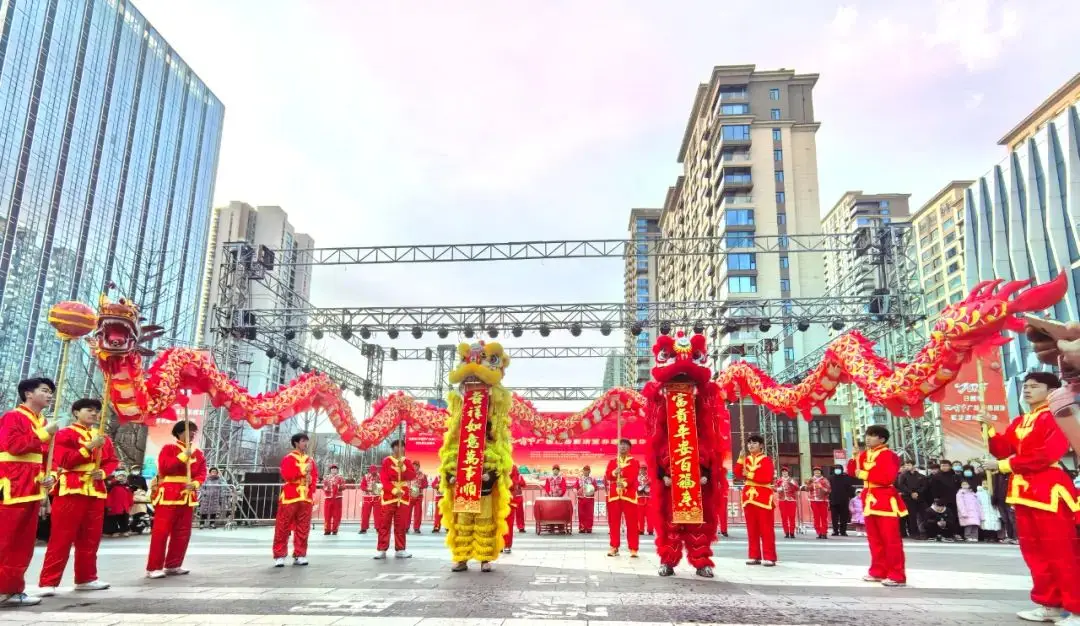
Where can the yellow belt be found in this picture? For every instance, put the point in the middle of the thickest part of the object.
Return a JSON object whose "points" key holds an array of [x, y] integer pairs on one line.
{"points": [[874, 485], [85, 467], [755, 484], [32, 457], [174, 479]]}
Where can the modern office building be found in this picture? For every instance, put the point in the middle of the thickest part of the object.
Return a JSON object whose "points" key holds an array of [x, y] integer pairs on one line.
{"points": [[846, 273], [280, 286], [1021, 217], [108, 152], [939, 230], [641, 286]]}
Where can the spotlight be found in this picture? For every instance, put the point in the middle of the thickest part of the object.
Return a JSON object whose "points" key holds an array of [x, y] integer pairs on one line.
{"points": [[294, 364], [365, 333], [837, 325], [545, 330], [358, 391], [367, 390], [699, 327], [417, 332], [443, 333], [306, 368], [492, 332], [428, 354], [575, 329], [290, 334], [636, 328], [468, 331], [803, 325], [665, 328], [764, 326], [393, 354], [516, 330], [271, 353], [284, 358], [345, 332], [730, 328], [605, 329], [367, 350], [316, 333], [392, 332]]}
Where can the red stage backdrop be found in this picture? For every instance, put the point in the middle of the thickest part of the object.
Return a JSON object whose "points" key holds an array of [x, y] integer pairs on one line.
{"points": [[533, 455], [961, 405]]}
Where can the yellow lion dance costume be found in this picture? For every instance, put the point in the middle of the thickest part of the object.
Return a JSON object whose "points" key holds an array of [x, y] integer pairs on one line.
{"points": [[478, 536]]}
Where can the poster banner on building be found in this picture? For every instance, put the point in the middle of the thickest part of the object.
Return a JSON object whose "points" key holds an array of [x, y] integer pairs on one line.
{"points": [[535, 456], [159, 432], [963, 402]]}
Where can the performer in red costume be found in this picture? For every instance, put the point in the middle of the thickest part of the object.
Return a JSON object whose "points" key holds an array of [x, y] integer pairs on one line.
{"points": [[300, 475], [555, 487], [333, 495], [372, 489], [586, 501], [419, 484], [516, 502], [819, 490], [723, 491], [394, 507], [1045, 500], [878, 466], [787, 498], [681, 370], [436, 486], [82, 459], [181, 471], [756, 471], [621, 478], [645, 517], [24, 438]]}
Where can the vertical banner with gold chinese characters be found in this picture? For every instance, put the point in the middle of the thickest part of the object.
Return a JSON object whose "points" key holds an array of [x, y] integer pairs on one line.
{"points": [[472, 439], [686, 504]]}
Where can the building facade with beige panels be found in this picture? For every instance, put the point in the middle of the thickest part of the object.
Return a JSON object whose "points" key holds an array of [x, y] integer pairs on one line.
{"points": [[749, 157], [845, 273], [640, 286], [939, 231]]}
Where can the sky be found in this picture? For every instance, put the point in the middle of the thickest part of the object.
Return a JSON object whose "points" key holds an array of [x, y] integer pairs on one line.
{"points": [[381, 123]]}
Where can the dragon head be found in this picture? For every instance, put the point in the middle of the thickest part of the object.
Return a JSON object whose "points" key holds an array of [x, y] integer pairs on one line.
{"points": [[119, 330], [681, 359], [977, 321], [479, 362]]}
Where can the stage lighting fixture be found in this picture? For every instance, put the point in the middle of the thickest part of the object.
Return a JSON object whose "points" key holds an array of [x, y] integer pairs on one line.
{"points": [[764, 326], [359, 392], [316, 333], [392, 332], [636, 328], [284, 358], [443, 333], [699, 327], [665, 328], [271, 353], [393, 354], [417, 332], [605, 329], [803, 325], [468, 331], [838, 325], [345, 331], [294, 364], [365, 333], [428, 354], [575, 329], [516, 330], [545, 330], [290, 334], [492, 332], [730, 328]]}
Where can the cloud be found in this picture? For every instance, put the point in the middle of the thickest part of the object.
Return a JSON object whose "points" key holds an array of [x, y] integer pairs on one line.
{"points": [[973, 101], [844, 20], [973, 32]]}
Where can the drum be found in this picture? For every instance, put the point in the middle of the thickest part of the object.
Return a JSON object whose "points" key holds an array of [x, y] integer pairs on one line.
{"points": [[553, 514], [414, 491], [589, 490]]}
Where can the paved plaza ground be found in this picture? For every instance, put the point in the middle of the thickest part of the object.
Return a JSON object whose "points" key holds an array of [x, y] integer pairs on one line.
{"points": [[550, 579]]}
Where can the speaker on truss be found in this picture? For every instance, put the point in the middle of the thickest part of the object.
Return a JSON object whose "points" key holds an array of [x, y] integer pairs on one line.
{"points": [[266, 258], [861, 241]]}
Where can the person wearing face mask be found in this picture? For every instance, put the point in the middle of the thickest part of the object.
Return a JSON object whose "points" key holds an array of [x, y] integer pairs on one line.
{"points": [[912, 487], [841, 491], [944, 486]]}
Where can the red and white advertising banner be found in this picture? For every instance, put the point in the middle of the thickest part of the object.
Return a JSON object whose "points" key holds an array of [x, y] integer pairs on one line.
{"points": [[965, 399]]}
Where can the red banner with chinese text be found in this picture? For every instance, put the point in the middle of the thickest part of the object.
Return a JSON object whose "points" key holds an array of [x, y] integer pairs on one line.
{"points": [[963, 402], [686, 503], [472, 440]]}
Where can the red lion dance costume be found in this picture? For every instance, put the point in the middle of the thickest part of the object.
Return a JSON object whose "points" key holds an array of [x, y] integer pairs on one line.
{"points": [[686, 420]]}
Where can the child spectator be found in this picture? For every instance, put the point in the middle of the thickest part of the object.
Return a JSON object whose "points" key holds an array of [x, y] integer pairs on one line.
{"points": [[855, 507], [118, 506], [991, 519], [968, 511], [936, 526]]}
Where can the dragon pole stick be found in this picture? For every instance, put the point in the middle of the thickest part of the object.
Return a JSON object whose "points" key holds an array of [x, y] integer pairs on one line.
{"points": [[187, 439], [65, 350], [989, 484], [103, 420]]}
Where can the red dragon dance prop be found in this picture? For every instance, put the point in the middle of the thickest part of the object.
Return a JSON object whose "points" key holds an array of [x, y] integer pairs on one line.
{"points": [[689, 431], [965, 329]]}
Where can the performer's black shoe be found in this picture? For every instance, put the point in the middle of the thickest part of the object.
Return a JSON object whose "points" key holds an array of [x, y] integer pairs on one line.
{"points": [[724, 534], [461, 566], [705, 572], [434, 530], [666, 570]]}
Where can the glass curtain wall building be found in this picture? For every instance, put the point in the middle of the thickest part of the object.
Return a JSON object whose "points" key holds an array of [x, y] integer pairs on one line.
{"points": [[108, 152]]}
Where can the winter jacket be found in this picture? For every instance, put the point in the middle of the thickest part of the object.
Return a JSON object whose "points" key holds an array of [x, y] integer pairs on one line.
{"points": [[843, 488], [991, 518], [943, 486], [908, 483], [968, 508]]}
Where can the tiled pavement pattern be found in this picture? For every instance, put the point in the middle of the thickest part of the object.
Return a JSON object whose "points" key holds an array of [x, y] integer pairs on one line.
{"points": [[549, 579]]}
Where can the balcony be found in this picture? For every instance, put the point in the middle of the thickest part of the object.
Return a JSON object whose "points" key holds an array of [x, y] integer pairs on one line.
{"points": [[735, 179]]}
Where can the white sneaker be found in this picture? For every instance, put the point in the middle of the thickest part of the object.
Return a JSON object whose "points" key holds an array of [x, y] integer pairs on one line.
{"points": [[300, 560], [158, 573], [279, 562], [176, 571], [380, 555], [401, 554], [1072, 620], [20, 599], [1043, 614], [93, 585], [46, 592]]}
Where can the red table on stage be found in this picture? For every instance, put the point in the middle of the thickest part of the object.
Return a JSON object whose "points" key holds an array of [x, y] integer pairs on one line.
{"points": [[555, 515]]}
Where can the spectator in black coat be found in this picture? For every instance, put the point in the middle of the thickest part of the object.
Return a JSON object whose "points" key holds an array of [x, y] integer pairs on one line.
{"points": [[1008, 514], [944, 486], [840, 495], [913, 488], [936, 526]]}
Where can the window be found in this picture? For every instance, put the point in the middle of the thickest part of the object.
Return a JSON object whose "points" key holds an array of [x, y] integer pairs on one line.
{"points": [[643, 283], [737, 178], [734, 109], [740, 240], [785, 262], [643, 263], [951, 237], [884, 204], [954, 283], [780, 197], [955, 265], [777, 155], [785, 284], [774, 94], [732, 93], [774, 114], [782, 241], [947, 224], [641, 225], [789, 355], [739, 217], [742, 261], [776, 134], [779, 174], [785, 431], [735, 132], [781, 218], [951, 252], [742, 284]]}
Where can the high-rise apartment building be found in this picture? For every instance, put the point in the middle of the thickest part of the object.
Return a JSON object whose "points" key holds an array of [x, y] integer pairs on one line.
{"points": [[749, 155], [108, 152], [641, 286], [1020, 218], [284, 286], [848, 274], [939, 230]]}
